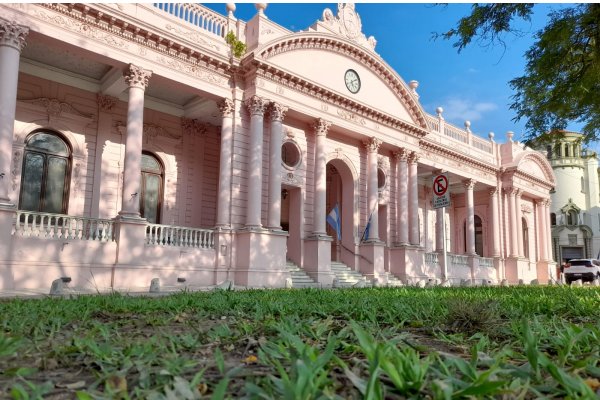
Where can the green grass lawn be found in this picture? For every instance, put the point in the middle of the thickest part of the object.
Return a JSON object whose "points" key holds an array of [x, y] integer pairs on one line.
{"points": [[393, 343]]}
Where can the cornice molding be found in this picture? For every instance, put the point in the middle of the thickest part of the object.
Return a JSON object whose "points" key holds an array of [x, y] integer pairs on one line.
{"points": [[356, 110], [453, 155]]}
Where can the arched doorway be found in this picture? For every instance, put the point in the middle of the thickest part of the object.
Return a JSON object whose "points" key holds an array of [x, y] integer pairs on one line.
{"points": [[340, 192]]}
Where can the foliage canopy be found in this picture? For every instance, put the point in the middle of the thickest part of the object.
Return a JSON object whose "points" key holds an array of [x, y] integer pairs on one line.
{"points": [[561, 83]]}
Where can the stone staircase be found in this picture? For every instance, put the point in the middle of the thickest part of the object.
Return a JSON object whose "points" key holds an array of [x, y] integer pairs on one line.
{"points": [[299, 278], [393, 281], [345, 276]]}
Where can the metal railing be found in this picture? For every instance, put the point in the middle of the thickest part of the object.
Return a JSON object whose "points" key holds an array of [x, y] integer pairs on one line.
{"points": [[59, 226], [179, 236], [195, 14]]}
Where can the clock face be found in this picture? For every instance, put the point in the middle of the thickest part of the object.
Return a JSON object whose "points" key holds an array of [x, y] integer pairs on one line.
{"points": [[352, 81]]}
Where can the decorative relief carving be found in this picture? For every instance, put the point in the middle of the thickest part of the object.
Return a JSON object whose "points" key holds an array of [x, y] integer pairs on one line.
{"points": [[13, 34], [401, 154], [193, 70], [256, 105], [321, 127], [324, 107], [277, 111], [83, 28], [192, 36], [14, 172], [226, 107], [279, 90], [288, 132], [55, 107], [347, 115], [347, 23], [136, 76], [339, 152], [150, 131], [193, 127], [77, 178], [291, 179], [106, 102], [526, 208]]}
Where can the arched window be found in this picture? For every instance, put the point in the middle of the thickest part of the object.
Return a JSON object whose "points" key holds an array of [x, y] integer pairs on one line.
{"points": [[566, 150], [45, 176], [548, 152], [552, 218], [572, 217], [525, 238], [478, 236], [151, 188]]}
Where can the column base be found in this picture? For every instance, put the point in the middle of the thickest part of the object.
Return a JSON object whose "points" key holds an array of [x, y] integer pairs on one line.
{"points": [[260, 258], [317, 258], [406, 262], [374, 265]]}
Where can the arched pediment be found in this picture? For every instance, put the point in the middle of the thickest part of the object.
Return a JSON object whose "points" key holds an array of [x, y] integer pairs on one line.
{"points": [[535, 164], [323, 59]]}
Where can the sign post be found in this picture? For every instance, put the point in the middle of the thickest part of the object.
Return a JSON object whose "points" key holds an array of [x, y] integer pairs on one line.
{"points": [[441, 199]]}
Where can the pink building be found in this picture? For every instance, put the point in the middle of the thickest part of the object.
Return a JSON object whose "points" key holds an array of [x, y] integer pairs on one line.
{"points": [[135, 145]]}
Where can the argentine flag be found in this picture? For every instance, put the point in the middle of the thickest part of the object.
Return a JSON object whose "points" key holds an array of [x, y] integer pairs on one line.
{"points": [[333, 219]]}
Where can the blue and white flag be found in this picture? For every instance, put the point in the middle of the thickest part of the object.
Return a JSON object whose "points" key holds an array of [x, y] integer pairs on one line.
{"points": [[367, 228], [333, 219]]}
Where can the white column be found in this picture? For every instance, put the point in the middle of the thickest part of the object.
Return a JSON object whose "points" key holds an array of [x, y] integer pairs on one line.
{"points": [[413, 205], [495, 223], [519, 223], [541, 230], [403, 196], [137, 80], [470, 225], [227, 108], [548, 230], [514, 244], [372, 146], [277, 114], [321, 127], [256, 106], [12, 41]]}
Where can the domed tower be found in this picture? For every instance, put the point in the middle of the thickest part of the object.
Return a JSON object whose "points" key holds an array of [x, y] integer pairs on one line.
{"points": [[575, 209]]}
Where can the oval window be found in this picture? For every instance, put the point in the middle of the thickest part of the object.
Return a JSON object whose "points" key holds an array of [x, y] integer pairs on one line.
{"points": [[290, 154], [380, 178]]}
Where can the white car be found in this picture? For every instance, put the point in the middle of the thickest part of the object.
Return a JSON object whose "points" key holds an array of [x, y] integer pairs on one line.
{"points": [[585, 269]]}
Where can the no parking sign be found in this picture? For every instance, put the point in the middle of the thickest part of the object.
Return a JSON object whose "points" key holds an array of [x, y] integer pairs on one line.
{"points": [[441, 195]]}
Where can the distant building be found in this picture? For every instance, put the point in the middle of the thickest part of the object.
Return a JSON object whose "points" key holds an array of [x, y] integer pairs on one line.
{"points": [[575, 208]]}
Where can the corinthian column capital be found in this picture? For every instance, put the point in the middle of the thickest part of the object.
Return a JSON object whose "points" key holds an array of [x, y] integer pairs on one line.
{"points": [[256, 105], [137, 77], [13, 34], [469, 183], [277, 111], [321, 127], [413, 158], [226, 107], [372, 145]]}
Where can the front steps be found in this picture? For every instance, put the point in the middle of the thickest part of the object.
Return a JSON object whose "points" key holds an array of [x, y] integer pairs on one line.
{"points": [[347, 277], [299, 278]]}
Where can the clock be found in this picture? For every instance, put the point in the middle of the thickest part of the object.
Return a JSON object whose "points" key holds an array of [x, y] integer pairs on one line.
{"points": [[352, 81]]}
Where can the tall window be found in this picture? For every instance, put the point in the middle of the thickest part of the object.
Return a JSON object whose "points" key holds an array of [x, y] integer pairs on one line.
{"points": [[525, 238], [45, 176], [553, 218], [572, 217], [151, 188]]}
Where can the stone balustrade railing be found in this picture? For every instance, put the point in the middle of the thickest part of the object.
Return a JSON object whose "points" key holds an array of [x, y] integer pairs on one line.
{"points": [[59, 226], [431, 259], [486, 262], [195, 14], [179, 236], [457, 260]]}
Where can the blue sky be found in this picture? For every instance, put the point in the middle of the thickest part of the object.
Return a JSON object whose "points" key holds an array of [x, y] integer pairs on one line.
{"points": [[472, 85]]}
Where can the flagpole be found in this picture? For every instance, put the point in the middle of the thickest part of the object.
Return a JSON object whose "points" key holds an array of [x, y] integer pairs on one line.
{"points": [[444, 250]]}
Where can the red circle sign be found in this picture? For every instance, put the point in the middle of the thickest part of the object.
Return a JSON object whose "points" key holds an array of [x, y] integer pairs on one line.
{"points": [[440, 185]]}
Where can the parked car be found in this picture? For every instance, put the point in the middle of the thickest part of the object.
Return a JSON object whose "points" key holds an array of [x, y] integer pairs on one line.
{"points": [[585, 269]]}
